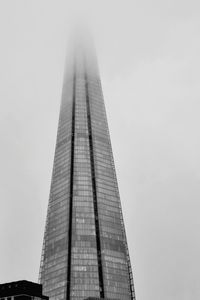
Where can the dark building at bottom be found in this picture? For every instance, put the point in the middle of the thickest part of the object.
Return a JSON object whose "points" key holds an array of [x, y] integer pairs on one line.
{"points": [[21, 290]]}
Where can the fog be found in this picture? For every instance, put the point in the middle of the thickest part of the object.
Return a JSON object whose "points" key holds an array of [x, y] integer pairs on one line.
{"points": [[148, 56]]}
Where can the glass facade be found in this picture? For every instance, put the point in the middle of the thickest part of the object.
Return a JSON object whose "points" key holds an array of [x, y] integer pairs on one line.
{"points": [[85, 251]]}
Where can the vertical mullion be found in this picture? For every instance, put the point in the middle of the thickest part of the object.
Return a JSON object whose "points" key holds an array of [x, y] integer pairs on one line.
{"points": [[94, 189], [71, 191]]}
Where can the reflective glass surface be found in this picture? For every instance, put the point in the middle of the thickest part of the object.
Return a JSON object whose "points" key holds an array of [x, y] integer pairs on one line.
{"points": [[85, 251]]}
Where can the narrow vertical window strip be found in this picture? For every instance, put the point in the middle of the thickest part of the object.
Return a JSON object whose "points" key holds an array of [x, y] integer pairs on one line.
{"points": [[97, 230], [71, 191]]}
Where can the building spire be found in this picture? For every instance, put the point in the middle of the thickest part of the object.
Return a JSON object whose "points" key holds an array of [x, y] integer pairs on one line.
{"points": [[85, 252]]}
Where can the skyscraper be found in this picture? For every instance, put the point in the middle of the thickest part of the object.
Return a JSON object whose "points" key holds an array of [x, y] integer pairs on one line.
{"points": [[85, 251]]}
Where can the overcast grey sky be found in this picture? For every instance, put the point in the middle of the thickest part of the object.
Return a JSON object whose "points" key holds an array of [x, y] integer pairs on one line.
{"points": [[148, 53]]}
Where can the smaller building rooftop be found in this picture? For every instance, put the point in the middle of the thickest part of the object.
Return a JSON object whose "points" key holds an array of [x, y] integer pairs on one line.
{"points": [[21, 288]]}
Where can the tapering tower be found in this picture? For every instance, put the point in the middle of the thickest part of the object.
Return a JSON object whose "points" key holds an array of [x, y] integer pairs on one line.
{"points": [[85, 251]]}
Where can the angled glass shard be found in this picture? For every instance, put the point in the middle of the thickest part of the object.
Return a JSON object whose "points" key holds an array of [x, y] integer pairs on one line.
{"points": [[85, 251]]}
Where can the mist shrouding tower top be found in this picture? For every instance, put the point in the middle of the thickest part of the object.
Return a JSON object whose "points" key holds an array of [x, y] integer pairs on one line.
{"points": [[85, 251]]}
